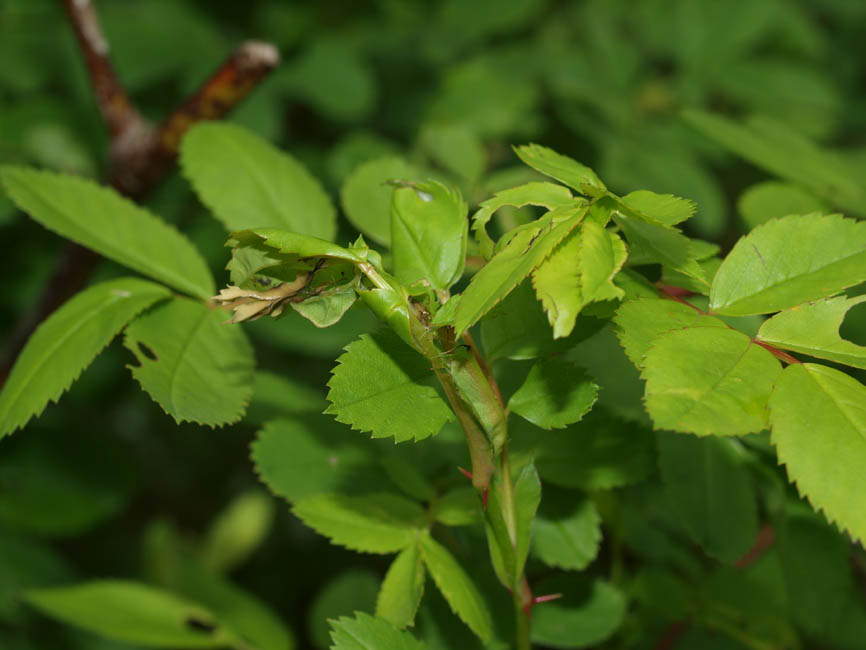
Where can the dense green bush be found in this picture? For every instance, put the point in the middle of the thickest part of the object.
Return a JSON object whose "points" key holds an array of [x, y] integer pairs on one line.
{"points": [[656, 539]]}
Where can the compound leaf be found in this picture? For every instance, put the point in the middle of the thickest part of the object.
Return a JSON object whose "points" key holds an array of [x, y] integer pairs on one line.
{"points": [[197, 368], [562, 168], [367, 633], [67, 342], [786, 262], [372, 523], [381, 385], [826, 461], [707, 380], [813, 329], [132, 612], [555, 394], [711, 490], [402, 588], [248, 183], [517, 259], [428, 234], [102, 220], [459, 590]]}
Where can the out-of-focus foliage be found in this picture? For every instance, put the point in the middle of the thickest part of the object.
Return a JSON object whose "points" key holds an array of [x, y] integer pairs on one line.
{"points": [[776, 108]]}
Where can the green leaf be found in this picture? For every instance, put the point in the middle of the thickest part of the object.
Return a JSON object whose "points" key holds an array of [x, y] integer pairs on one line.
{"points": [[102, 220], [516, 260], [664, 208], [428, 234], [408, 478], [555, 394], [67, 342], [373, 523], [813, 329], [786, 262], [296, 245], [579, 271], [352, 591], [458, 507], [774, 199], [197, 368], [381, 385], [826, 460], [459, 590], [588, 612], [132, 612], [509, 557], [238, 531], [598, 453], [366, 195], [175, 566], [298, 457], [328, 307], [562, 168], [657, 243], [547, 195], [367, 633], [566, 533], [640, 322], [248, 183], [402, 588], [709, 486], [276, 395], [783, 152], [454, 147], [708, 380]]}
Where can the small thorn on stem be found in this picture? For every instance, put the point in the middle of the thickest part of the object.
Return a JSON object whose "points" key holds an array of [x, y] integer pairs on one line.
{"points": [[465, 472], [484, 499], [546, 598]]}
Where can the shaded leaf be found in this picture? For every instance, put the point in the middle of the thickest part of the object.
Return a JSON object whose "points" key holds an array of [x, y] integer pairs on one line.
{"points": [[100, 219], [459, 590], [248, 183], [351, 592], [383, 386], [555, 394], [786, 262], [132, 612], [367, 633], [566, 533], [588, 612], [708, 380], [826, 465], [373, 523], [773, 199], [197, 368], [238, 530], [67, 342], [710, 488]]}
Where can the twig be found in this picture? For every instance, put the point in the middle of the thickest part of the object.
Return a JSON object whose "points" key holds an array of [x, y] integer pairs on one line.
{"points": [[140, 154]]}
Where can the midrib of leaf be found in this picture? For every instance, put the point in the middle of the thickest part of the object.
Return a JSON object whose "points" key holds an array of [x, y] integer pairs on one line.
{"points": [[183, 350], [560, 527], [143, 261], [380, 394], [836, 402], [58, 343], [260, 177], [811, 271]]}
